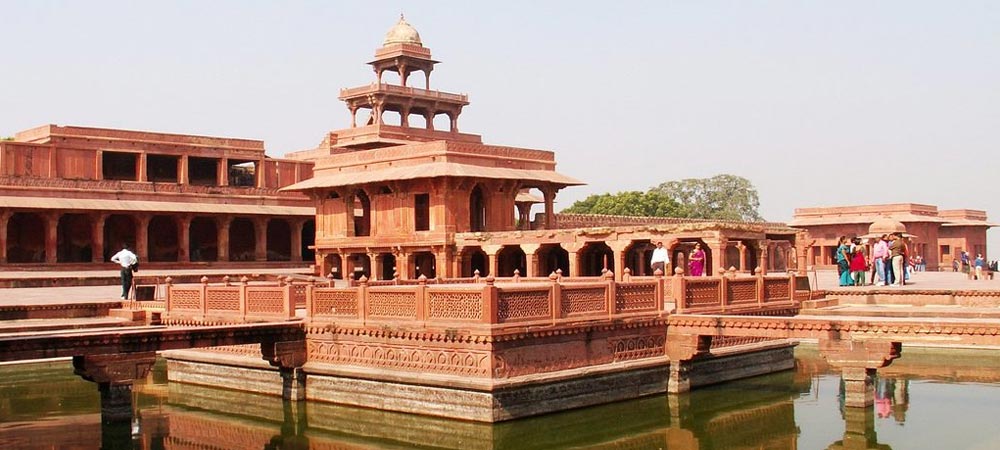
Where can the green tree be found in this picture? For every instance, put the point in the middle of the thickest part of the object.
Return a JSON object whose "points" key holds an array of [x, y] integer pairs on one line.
{"points": [[629, 203], [723, 197]]}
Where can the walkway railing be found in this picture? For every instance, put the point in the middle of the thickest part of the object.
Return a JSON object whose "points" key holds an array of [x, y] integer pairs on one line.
{"points": [[480, 301]]}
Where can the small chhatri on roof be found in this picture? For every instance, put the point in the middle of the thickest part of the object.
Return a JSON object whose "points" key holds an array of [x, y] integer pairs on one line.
{"points": [[402, 33]]}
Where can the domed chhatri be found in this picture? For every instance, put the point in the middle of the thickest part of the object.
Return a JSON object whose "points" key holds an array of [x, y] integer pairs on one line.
{"points": [[886, 226], [402, 33]]}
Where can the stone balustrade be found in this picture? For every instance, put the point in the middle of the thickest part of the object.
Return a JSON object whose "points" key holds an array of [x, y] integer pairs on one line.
{"points": [[479, 300], [731, 294], [537, 303]]}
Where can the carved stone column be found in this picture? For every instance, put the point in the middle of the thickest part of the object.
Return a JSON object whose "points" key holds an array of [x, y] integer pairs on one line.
{"points": [[618, 248], [142, 237], [442, 256], [718, 249], [743, 255], [549, 194], [184, 238], [4, 220], [297, 226], [97, 237], [491, 253], [260, 239], [222, 239], [51, 236], [531, 259], [114, 375]]}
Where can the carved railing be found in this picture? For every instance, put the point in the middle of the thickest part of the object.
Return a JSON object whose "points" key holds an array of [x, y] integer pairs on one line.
{"points": [[233, 302], [483, 302], [730, 294]]}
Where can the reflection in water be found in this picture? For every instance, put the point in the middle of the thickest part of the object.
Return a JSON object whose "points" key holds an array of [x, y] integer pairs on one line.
{"points": [[46, 406]]}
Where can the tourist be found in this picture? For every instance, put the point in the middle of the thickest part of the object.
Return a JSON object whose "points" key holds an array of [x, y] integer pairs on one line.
{"points": [[697, 261], [880, 252], [843, 261], [897, 250], [965, 261], [660, 258], [858, 266], [128, 261], [980, 262]]}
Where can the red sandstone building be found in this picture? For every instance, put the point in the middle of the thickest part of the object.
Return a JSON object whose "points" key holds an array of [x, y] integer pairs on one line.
{"points": [[940, 236], [71, 196], [395, 195]]}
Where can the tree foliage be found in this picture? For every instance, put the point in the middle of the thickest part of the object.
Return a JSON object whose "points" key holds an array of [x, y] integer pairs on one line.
{"points": [[722, 197], [629, 203]]}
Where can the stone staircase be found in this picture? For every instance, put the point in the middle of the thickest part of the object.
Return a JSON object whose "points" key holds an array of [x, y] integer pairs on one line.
{"points": [[25, 318]]}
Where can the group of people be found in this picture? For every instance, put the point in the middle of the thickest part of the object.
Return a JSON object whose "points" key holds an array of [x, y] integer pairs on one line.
{"points": [[696, 260], [887, 263], [979, 265]]}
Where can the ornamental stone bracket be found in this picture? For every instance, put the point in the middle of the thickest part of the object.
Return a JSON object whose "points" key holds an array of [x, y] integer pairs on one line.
{"points": [[682, 349], [288, 357], [114, 375], [858, 361]]}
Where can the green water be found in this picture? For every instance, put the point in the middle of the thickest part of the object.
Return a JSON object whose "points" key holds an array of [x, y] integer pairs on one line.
{"points": [[940, 399]]}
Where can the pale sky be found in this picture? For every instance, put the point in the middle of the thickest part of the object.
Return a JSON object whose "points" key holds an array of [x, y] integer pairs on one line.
{"points": [[817, 103]]}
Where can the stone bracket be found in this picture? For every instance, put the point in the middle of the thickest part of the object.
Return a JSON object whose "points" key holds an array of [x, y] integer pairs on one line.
{"points": [[286, 354], [121, 368]]}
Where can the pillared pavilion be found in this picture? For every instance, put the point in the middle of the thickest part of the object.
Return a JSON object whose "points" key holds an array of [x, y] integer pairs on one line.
{"points": [[397, 195]]}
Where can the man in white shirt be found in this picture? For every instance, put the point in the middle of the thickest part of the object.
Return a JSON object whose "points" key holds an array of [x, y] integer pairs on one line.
{"points": [[127, 259], [660, 258]]}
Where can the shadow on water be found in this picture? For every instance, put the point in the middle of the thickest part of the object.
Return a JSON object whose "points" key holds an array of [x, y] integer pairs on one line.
{"points": [[46, 406]]}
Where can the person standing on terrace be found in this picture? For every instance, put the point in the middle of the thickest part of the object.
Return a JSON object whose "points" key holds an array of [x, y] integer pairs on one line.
{"points": [[897, 249], [844, 261], [880, 252], [697, 264], [127, 260], [660, 258], [980, 263]]}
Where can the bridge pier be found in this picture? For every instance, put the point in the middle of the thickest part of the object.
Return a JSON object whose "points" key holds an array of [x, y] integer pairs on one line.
{"points": [[288, 357], [858, 361], [114, 374], [682, 349]]}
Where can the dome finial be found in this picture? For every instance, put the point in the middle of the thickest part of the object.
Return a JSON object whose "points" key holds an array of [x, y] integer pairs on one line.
{"points": [[402, 33]]}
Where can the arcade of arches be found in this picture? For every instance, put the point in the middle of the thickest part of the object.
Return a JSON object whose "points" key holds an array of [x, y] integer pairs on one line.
{"points": [[52, 237], [576, 258]]}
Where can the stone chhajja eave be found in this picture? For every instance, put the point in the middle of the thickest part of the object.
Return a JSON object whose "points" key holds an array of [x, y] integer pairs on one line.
{"points": [[484, 334]]}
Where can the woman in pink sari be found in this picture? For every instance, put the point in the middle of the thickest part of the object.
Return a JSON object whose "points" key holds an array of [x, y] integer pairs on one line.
{"points": [[697, 261]]}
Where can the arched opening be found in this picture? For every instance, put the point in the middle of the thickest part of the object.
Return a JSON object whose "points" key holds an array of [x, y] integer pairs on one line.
{"points": [[334, 266], [203, 240], [279, 240], [119, 230], [552, 257], [779, 261], [594, 258], [477, 209], [732, 257], [417, 120], [362, 214], [511, 258], [388, 263], [242, 241], [393, 118], [73, 241], [424, 264], [683, 251], [442, 122], [359, 264], [308, 240], [638, 256], [473, 259], [26, 238], [162, 232]]}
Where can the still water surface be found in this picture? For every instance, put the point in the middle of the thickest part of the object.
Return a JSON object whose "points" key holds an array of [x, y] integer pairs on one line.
{"points": [[929, 399]]}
